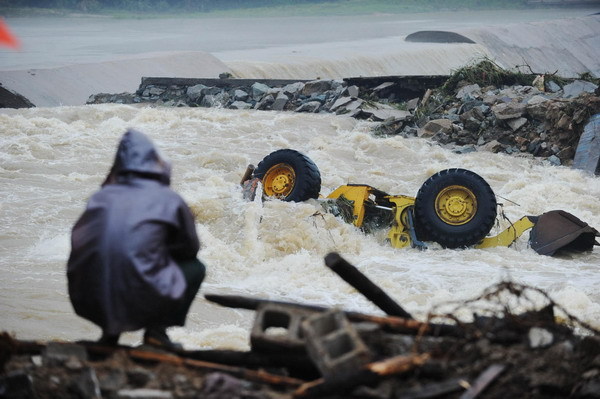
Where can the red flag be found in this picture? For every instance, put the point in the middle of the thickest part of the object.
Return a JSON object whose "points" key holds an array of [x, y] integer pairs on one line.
{"points": [[7, 38]]}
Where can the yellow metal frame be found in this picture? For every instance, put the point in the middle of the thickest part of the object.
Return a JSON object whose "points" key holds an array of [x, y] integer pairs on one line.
{"points": [[399, 234], [509, 235], [358, 195]]}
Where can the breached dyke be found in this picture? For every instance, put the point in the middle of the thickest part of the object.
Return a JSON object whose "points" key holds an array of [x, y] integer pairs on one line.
{"points": [[568, 46]]}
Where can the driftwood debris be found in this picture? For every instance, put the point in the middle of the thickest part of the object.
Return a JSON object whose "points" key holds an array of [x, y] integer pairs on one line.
{"points": [[372, 292], [138, 354], [389, 323], [372, 372]]}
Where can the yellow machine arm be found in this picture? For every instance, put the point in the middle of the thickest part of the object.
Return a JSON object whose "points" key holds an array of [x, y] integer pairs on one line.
{"points": [[509, 235], [401, 233]]}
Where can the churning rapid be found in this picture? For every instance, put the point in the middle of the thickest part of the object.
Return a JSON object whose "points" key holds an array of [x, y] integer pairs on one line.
{"points": [[54, 158]]}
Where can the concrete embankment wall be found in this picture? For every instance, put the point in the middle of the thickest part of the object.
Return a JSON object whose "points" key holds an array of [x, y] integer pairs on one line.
{"points": [[73, 85], [570, 46]]}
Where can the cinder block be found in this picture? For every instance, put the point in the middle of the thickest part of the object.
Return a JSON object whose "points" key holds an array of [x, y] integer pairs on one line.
{"points": [[278, 326], [334, 345]]}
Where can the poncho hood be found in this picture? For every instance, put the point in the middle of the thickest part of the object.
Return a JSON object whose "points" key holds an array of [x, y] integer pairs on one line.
{"points": [[136, 153]]}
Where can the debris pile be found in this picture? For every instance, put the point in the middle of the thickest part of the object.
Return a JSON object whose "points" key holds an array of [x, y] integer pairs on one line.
{"points": [[480, 107], [329, 96], [304, 351], [544, 121]]}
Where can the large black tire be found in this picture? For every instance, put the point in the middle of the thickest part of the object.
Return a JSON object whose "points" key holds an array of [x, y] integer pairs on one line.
{"points": [[455, 208], [289, 175]]}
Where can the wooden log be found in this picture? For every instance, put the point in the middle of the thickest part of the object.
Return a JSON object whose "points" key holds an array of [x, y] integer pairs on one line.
{"points": [[260, 376], [362, 284], [389, 323], [398, 364], [251, 375], [248, 173], [297, 365]]}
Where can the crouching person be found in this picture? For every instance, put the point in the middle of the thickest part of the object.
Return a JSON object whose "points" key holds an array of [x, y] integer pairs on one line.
{"points": [[133, 254]]}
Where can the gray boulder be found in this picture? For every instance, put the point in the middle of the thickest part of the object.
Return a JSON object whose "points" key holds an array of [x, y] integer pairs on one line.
{"points": [[195, 92], [578, 87], [435, 126], [240, 105], [240, 95], [504, 111], [259, 90], [280, 102], [316, 86], [310, 106], [470, 90]]}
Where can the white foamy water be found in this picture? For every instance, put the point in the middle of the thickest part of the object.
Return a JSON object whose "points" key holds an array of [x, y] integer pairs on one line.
{"points": [[53, 159]]}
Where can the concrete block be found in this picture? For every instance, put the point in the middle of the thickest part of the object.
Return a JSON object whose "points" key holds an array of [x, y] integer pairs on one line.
{"points": [[278, 326], [334, 345]]}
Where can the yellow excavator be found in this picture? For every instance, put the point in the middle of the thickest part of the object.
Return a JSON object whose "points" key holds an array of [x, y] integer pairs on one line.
{"points": [[455, 208]]}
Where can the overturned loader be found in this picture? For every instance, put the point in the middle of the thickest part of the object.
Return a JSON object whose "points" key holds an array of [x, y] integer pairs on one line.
{"points": [[455, 208]]}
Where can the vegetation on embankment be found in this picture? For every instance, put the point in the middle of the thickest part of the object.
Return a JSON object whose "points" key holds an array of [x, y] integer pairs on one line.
{"points": [[237, 8]]}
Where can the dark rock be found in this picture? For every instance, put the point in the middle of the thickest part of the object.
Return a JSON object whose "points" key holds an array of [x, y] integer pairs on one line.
{"points": [[86, 385], [265, 102], [589, 345], [587, 389], [112, 380], [316, 86], [384, 90], [383, 114], [12, 99], [139, 376], [17, 385], [311, 106]]}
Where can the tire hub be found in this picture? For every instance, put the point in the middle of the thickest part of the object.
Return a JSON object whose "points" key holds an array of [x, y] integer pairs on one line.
{"points": [[456, 205], [279, 180]]}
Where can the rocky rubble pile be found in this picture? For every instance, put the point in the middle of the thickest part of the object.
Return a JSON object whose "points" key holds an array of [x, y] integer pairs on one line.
{"points": [[499, 354], [542, 121], [319, 96], [543, 118]]}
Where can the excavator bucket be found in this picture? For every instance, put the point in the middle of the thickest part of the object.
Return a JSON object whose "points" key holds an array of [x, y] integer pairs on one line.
{"points": [[560, 230]]}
